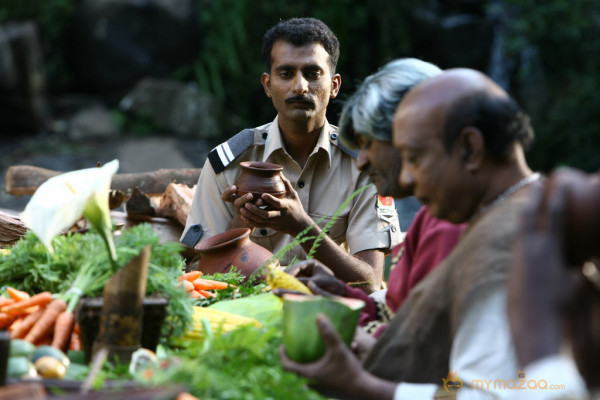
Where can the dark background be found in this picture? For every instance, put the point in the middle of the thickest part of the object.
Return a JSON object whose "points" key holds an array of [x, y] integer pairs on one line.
{"points": [[70, 71]]}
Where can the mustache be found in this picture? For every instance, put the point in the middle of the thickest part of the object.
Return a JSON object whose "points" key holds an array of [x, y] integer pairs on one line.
{"points": [[299, 99]]}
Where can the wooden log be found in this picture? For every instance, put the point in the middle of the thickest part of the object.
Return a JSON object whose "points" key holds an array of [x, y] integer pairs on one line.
{"points": [[167, 229], [176, 202], [25, 179], [11, 229]]}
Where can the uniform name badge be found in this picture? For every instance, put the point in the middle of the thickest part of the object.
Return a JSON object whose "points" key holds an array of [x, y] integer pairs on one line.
{"points": [[386, 208]]}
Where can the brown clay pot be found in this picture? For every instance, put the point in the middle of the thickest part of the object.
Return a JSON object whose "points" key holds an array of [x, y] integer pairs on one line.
{"points": [[233, 247], [260, 177]]}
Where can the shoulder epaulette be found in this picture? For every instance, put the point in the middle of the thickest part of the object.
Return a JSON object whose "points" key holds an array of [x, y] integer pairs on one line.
{"points": [[222, 155], [336, 139], [351, 153]]}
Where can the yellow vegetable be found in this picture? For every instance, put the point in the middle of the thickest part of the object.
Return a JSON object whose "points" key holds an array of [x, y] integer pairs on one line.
{"points": [[220, 321], [50, 368], [278, 279]]}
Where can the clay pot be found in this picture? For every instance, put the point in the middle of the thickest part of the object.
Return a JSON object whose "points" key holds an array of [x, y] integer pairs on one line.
{"points": [[258, 178], [233, 247]]}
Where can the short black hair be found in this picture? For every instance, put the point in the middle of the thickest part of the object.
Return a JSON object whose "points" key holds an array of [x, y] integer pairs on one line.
{"points": [[500, 120], [301, 32]]}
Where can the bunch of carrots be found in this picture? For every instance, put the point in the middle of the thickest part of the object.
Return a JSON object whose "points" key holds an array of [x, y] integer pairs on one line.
{"points": [[199, 288], [39, 319]]}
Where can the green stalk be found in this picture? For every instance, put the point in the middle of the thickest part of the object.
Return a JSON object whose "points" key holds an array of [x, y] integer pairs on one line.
{"points": [[334, 217]]}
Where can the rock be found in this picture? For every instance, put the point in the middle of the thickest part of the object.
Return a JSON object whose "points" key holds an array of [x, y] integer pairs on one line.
{"points": [[179, 108], [91, 123]]}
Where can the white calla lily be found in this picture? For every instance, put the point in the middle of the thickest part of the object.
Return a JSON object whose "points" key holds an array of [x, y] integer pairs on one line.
{"points": [[62, 200]]}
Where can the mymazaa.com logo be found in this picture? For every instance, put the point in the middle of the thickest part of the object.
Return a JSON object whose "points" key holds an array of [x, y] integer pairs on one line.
{"points": [[453, 384]]}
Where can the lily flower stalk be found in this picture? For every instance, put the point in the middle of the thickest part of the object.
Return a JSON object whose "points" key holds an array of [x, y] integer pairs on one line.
{"points": [[62, 200]]}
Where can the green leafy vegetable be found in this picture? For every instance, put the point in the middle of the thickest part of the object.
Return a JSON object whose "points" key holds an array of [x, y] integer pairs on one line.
{"points": [[242, 364], [81, 261]]}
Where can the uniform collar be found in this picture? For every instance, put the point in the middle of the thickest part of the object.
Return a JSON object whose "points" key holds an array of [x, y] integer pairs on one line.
{"points": [[273, 141]]}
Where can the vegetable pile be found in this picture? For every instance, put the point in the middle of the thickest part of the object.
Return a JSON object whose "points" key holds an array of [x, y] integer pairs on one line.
{"points": [[80, 266], [199, 288], [27, 361], [238, 363], [38, 319], [223, 331]]}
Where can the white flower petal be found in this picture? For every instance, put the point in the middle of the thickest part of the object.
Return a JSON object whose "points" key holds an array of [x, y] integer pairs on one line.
{"points": [[59, 202]]}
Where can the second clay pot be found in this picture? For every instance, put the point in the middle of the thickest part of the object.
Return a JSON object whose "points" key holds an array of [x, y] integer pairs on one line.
{"points": [[231, 248]]}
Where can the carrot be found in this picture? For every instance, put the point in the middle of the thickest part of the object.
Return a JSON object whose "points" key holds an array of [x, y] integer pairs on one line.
{"points": [[45, 324], [75, 343], [220, 285], [194, 294], [190, 276], [63, 329], [31, 310], [15, 325], [17, 295], [207, 284], [186, 396], [207, 294], [6, 320], [4, 301], [40, 299], [25, 326], [44, 341], [187, 286]]}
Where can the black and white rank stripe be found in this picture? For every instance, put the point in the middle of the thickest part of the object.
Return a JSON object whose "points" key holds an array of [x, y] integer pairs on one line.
{"points": [[222, 155]]}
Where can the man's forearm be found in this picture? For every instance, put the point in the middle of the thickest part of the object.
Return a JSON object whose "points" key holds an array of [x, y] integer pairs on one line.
{"points": [[346, 266]]}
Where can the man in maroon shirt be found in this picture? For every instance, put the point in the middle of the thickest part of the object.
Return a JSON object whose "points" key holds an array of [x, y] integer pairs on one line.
{"points": [[366, 124]]}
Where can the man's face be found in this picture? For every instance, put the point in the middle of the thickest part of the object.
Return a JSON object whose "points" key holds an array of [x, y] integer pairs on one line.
{"points": [[300, 82], [437, 177], [383, 164]]}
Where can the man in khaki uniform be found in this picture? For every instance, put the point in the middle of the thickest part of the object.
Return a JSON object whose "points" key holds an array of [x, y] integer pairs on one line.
{"points": [[319, 173]]}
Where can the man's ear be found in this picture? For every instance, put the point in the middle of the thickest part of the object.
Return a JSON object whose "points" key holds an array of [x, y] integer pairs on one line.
{"points": [[336, 83], [471, 146], [265, 79]]}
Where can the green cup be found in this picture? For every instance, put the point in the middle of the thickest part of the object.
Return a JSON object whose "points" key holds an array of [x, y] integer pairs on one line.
{"points": [[301, 337]]}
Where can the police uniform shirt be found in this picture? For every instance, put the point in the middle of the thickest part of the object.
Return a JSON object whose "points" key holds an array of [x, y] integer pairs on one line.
{"points": [[329, 177]]}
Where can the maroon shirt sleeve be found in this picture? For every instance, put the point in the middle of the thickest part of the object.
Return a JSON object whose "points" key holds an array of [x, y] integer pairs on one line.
{"points": [[426, 244]]}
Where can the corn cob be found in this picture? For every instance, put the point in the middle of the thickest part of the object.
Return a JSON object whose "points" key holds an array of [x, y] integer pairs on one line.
{"points": [[278, 279], [220, 322]]}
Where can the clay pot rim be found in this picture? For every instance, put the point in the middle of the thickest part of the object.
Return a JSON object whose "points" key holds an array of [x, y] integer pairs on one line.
{"points": [[223, 239], [261, 166], [256, 195]]}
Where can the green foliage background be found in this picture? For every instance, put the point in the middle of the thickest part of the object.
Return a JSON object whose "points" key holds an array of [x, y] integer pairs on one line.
{"points": [[562, 86], [552, 48], [230, 64]]}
